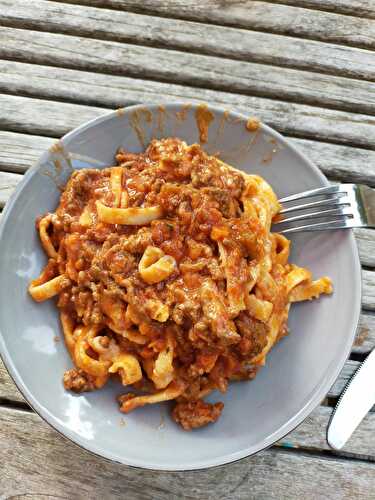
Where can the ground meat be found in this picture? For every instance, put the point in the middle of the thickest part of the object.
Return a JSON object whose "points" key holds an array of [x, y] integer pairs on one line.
{"points": [[123, 156], [197, 309], [138, 242], [124, 398], [234, 181], [79, 188], [196, 413], [206, 174], [204, 363], [77, 380], [254, 334], [224, 200]]}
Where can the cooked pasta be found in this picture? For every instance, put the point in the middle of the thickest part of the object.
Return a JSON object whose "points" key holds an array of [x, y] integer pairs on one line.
{"points": [[168, 277]]}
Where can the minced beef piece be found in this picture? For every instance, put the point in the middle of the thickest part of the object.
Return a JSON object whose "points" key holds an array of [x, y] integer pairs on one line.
{"points": [[184, 326], [224, 199], [207, 174], [77, 380], [138, 242], [254, 334], [195, 414]]}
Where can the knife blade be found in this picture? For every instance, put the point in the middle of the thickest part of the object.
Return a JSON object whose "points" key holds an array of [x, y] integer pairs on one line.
{"points": [[355, 402]]}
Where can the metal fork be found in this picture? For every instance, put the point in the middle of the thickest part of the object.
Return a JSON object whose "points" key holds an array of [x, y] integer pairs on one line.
{"points": [[333, 207]]}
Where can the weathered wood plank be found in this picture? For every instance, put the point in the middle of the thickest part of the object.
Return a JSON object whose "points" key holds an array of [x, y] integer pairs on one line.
{"points": [[336, 161], [230, 11], [226, 71], [258, 15], [366, 246], [365, 339], [360, 8], [347, 372], [299, 86], [18, 152], [368, 289], [70, 472], [8, 390], [8, 182], [292, 119], [37, 116], [311, 434]]}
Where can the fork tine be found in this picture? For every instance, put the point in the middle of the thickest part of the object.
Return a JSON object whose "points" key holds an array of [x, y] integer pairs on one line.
{"points": [[330, 202], [338, 224], [344, 212], [312, 192]]}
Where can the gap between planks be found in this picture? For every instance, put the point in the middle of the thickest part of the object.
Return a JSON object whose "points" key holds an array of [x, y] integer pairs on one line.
{"points": [[252, 15], [183, 37], [357, 8], [192, 9], [71, 472], [301, 87], [309, 435], [298, 120]]}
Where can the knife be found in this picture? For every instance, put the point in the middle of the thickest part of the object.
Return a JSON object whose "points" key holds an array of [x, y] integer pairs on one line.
{"points": [[355, 402]]}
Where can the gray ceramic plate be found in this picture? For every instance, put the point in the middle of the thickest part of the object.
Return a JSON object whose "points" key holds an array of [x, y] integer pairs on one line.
{"points": [[300, 369]]}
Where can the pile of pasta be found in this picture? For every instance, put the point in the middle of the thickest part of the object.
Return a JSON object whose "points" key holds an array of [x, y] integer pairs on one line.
{"points": [[168, 277]]}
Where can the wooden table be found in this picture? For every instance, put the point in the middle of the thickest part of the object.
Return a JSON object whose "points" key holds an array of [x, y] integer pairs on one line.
{"points": [[307, 68]]}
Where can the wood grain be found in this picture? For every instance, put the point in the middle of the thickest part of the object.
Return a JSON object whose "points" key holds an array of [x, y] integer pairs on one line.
{"points": [[41, 117], [365, 338], [228, 63], [311, 434], [37, 461], [347, 372], [8, 390], [288, 84], [212, 40], [264, 16], [8, 182], [360, 8], [366, 246], [233, 12], [18, 152], [292, 119], [340, 162], [368, 290]]}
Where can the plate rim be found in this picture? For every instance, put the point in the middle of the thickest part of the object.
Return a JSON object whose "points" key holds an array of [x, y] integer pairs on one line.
{"points": [[280, 433]]}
